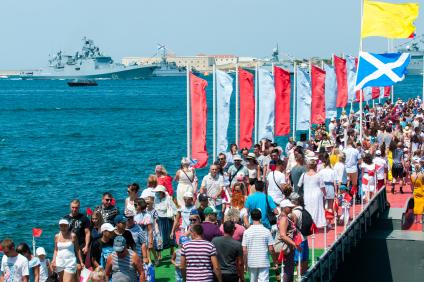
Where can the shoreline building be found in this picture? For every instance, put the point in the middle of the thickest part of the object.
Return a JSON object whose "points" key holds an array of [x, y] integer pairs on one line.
{"points": [[200, 62]]}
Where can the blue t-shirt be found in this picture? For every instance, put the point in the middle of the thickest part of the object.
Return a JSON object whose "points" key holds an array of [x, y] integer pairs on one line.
{"points": [[258, 201]]}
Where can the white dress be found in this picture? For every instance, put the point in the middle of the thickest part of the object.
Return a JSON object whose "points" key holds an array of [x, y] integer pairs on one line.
{"points": [[328, 176], [314, 198], [65, 258], [185, 184]]}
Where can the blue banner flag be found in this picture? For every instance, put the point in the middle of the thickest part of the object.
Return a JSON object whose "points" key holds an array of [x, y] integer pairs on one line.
{"points": [[381, 69], [330, 92], [351, 77], [303, 101]]}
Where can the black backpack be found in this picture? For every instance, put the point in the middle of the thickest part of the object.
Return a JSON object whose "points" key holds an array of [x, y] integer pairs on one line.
{"points": [[307, 222]]}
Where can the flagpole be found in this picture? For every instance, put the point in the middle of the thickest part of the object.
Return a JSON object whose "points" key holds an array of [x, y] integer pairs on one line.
{"points": [[310, 117], [393, 87], [214, 112], [33, 245], [256, 103], [237, 105], [423, 80], [294, 99], [360, 92], [188, 112]]}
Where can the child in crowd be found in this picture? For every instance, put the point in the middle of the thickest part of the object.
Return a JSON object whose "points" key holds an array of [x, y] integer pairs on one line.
{"points": [[176, 259], [345, 200], [45, 268], [157, 238], [98, 275]]}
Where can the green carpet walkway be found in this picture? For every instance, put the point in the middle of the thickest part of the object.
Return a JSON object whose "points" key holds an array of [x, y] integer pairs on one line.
{"points": [[165, 272]]}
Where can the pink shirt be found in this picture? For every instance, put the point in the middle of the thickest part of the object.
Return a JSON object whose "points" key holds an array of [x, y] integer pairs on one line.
{"points": [[238, 233]]}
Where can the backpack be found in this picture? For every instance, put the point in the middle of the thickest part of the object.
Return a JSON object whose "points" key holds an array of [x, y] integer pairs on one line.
{"points": [[106, 251], [307, 222]]}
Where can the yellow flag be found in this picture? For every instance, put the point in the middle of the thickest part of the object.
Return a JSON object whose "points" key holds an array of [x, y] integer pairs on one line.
{"points": [[388, 20]]}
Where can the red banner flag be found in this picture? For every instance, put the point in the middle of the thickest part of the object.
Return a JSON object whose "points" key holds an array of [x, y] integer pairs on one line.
{"points": [[341, 77], [247, 108], [89, 211], [329, 215], [387, 91], [198, 120], [375, 92], [314, 228], [318, 95], [36, 232], [282, 101]]}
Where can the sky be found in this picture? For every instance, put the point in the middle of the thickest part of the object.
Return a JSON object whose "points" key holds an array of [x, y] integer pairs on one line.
{"points": [[31, 30]]}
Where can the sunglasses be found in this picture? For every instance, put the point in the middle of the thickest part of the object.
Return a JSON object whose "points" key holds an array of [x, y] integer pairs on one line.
{"points": [[221, 159], [194, 219], [108, 200]]}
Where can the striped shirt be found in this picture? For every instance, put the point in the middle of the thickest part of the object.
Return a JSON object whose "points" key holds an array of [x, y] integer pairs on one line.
{"points": [[257, 238], [198, 255]]}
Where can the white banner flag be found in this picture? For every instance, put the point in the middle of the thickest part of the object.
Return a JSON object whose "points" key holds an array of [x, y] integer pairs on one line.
{"points": [[266, 109], [224, 89]]}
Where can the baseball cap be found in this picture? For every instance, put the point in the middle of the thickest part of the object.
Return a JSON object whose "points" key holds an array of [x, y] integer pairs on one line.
{"points": [[183, 240], [203, 197], [63, 222], [294, 196], [333, 119], [120, 219], [194, 212], [286, 203], [107, 227], [119, 244], [209, 210], [159, 188], [251, 156], [40, 251], [378, 153], [188, 194], [237, 158]]}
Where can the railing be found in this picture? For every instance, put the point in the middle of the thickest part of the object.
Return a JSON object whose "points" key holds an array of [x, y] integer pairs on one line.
{"points": [[326, 267]]}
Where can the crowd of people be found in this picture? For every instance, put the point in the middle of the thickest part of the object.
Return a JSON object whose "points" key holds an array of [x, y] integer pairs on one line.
{"points": [[253, 205]]}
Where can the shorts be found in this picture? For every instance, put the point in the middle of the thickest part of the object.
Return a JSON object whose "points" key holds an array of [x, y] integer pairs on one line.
{"points": [[304, 254], [67, 269], [397, 170]]}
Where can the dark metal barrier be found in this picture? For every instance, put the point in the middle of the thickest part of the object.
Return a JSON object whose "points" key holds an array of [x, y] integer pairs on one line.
{"points": [[326, 267]]}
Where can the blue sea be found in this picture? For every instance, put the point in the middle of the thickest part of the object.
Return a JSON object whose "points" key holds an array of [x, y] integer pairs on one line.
{"points": [[58, 143]]}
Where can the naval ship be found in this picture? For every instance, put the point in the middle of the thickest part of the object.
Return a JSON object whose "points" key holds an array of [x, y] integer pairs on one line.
{"points": [[165, 67], [416, 49], [89, 63]]}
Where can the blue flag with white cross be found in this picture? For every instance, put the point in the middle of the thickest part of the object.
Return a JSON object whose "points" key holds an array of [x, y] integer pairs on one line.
{"points": [[381, 69]]}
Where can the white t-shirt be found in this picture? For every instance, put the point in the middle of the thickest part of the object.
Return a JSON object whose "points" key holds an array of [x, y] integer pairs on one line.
{"points": [[273, 190], [14, 268], [213, 185], [327, 175], [352, 158], [380, 166], [340, 171]]}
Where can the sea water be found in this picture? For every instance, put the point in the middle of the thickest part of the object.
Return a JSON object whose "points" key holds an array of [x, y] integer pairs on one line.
{"points": [[58, 143]]}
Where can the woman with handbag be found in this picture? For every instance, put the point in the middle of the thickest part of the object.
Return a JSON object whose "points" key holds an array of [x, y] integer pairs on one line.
{"points": [[289, 239], [166, 210]]}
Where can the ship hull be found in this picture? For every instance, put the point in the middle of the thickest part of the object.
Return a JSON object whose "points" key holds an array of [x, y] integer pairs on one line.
{"points": [[129, 73]]}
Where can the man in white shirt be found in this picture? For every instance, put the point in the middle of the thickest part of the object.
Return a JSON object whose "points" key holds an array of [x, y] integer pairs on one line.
{"points": [[212, 185], [352, 160], [257, 245], [14, 266], [276, 182]]}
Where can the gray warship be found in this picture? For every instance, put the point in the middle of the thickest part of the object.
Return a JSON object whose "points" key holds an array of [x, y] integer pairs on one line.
{"points": [[416, 48], [165, 67], [89, 63]]}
